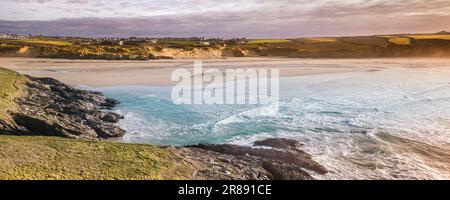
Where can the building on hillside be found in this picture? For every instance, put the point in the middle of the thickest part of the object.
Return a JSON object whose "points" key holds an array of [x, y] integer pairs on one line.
{"points": [[241, 41], [205, 43], [202, 44], [238, 41], [15, 37]]}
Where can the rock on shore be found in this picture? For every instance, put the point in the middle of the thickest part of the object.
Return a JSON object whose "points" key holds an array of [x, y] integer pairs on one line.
{"points": [[279, 160], [50, 107]]}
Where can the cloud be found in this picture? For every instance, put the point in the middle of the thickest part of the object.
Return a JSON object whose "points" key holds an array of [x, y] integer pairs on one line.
{"points": [[256, 18], [31, 1]]}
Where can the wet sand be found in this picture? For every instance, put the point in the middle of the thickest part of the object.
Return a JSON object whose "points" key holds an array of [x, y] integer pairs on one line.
{"points": [[99, 73]]}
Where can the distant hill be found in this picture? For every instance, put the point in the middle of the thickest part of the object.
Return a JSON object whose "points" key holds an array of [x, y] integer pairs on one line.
{"points": [[380, 46], [443, 33]]}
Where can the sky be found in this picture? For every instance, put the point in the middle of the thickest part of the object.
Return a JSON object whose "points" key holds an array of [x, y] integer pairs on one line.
{"points": [[225, 18]]}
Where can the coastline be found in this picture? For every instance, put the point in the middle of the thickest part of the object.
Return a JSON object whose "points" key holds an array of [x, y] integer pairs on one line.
{"points": [[356, 65], [49, 108]]}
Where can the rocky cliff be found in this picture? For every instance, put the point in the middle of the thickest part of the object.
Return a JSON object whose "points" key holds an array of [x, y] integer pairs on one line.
{"points": [[49, 107]]}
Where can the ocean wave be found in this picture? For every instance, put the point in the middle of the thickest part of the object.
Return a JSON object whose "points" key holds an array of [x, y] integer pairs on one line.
{"points": [[377, 125]]}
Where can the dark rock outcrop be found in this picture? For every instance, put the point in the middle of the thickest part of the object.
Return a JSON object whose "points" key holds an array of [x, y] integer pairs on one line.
{"points": [[282, 161], [111, 117], [53, 108], [277, 143]]}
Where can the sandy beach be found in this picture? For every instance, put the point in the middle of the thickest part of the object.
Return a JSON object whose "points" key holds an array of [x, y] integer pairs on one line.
{"points": [[99, 73]]}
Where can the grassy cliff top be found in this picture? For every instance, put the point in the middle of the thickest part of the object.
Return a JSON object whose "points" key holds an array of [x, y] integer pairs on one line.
{"points": [[35, 157], [11, 86]]}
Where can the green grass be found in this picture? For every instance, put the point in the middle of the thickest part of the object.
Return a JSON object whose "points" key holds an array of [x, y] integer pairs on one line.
{"points": [[11, 87], [48, 42], [268, 41], [406, 39], [40, 157]]}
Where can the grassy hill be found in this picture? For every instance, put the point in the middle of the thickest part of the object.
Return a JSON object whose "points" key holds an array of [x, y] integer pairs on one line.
{"points": [[42, 157], [380, 46]]}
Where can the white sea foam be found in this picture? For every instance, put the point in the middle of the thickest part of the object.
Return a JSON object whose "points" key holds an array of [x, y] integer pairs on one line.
{"points": [[261, 111]]}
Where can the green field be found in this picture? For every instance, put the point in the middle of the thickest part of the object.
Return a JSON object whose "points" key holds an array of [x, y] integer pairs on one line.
{"points": [[428, 37], [400, 40], [40, 157], [262, 41], [49, 42], [407, 39]]}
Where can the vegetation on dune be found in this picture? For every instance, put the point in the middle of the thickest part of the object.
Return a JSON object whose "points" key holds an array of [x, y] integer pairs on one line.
{"points": [[11, 87], [40, 157], [9, 48], [113, 52], [320, 47]]}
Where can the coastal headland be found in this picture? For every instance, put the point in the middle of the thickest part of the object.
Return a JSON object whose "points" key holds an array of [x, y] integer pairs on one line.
{"points": [[50, 130]]}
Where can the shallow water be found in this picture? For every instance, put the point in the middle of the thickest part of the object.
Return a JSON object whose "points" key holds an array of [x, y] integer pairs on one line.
{"points": [[389, 123]]}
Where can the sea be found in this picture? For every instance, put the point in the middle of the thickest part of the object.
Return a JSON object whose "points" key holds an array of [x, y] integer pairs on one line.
{"points": [[382, 123]]}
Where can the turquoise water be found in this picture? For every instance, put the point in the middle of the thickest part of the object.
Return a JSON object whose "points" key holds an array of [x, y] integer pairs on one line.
{"points": [[342, 119], [151, 117]]}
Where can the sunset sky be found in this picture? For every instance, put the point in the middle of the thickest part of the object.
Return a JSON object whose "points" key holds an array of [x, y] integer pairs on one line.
{"points": [[232, 18]]}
